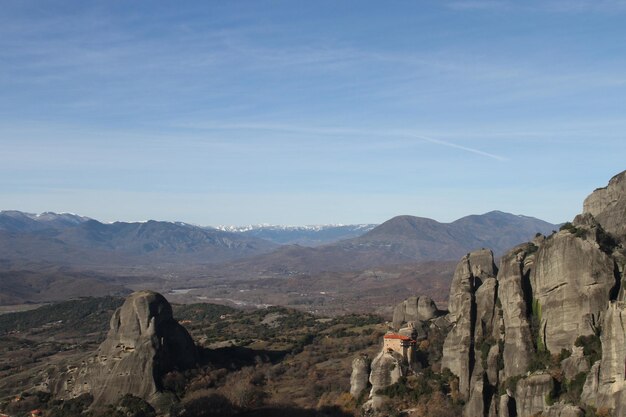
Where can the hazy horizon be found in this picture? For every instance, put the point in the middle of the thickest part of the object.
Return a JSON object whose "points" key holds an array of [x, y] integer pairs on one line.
{"points": [[270, 224]]}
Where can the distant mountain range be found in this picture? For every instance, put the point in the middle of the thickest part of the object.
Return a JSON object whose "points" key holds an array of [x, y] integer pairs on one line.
{"points": [[313, 235], [46, 256], [400, 240], [68, 239]]}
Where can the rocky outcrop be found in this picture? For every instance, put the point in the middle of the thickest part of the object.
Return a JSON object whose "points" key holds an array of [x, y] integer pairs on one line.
{"points": [[606, 383], [590, 389], [572, 281], [608, 205], [414, 309], [575, 364], [468, 276], [507, 328], [514, 293], [476, 404], [486, 312], [472, 310], [506, 406], [563, 410], [359, 379], [386, 370], [531, 393], [481, 396], [144, 342]]}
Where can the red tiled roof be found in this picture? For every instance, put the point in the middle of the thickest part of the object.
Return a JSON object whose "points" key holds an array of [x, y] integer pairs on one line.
{"points": [[397, 336]]}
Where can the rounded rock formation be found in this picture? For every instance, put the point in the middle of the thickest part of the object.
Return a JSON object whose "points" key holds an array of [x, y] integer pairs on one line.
{"points": [[144, 342]]}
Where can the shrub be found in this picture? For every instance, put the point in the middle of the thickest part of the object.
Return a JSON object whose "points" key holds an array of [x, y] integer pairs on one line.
{"points": [[606, 241], [70, 408], [206, 404], [511, 383], [565, 353], [540, 360], [531, 248], [535, 326], [131, 406], [592, 347], [574, 388], [576, 231]]}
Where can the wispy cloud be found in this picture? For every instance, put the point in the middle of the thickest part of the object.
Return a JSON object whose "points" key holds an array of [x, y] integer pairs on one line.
{"points": [[478, 5], [555, 6]]}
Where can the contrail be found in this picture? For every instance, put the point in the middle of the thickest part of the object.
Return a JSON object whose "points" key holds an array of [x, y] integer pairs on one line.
{"points": [[348, 131], [464, 148]]}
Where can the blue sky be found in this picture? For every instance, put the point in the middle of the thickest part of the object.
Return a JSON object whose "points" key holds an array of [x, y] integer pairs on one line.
{"points": [[290, 112]]}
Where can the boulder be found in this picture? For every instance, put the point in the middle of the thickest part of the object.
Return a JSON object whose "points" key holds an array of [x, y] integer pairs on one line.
{"points": [[608, 205], [414, 309], [572, 282], [144, 342], [359, 379]]}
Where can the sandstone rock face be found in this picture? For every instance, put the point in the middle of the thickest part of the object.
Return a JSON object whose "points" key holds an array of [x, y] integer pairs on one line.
{"points": [[608, 205], [606, 383], [414, 309], [513, 292], [590, 389], [386, 370], [492, 365], [575, 364], [486, 314], [459, 346], [456, 347], [530, 394], [545, 295], [563, 410], [506, 406], [476, 404], [360, 375], [144, 342], [481, 263], [467, 277], [571, 282], [482, 401]]}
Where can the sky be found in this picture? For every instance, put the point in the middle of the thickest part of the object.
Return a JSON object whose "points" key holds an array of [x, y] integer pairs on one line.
{"points": [[301, 112]]}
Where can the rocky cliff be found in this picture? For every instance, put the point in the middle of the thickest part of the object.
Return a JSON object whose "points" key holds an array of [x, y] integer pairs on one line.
{"points": [[608, 206], [144, 342], [544, 334], [558, 296]]}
